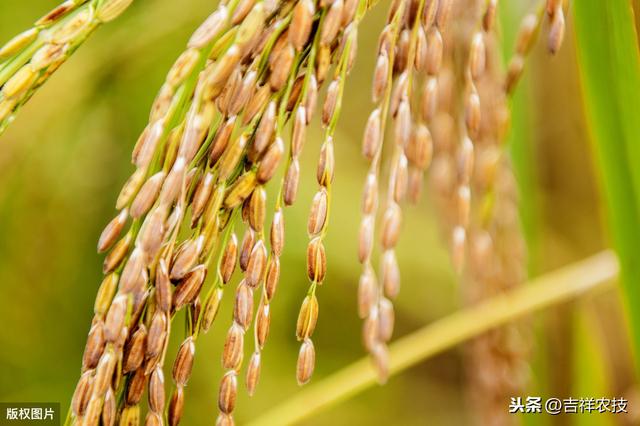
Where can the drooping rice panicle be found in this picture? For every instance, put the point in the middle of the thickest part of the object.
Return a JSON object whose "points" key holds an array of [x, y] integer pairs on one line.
{"points": [[336, 17], [215, 139], [473, 72], [409, 63], [205, 148], [497, 364], [498, 361], [172, 191], [419, 150], [527, 35], [30, 58], [369, 292], [404, 56], [300, 101]]}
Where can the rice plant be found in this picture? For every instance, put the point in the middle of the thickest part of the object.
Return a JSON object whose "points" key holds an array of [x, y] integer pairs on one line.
{"points": [[216, 175]]}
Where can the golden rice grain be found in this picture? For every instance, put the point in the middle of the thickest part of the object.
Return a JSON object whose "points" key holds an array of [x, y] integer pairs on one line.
{"points": [[306, 362]]}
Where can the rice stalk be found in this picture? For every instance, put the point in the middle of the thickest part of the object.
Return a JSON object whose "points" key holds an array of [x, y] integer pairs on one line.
{"points": [[493, 267]]}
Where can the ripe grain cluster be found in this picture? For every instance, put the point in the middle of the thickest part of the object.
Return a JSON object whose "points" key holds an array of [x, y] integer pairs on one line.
{"points": [[30, 58], [234, 107], [233, 110]]}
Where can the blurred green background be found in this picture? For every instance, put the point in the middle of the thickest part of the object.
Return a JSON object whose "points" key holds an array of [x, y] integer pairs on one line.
{"points": [[66, 156]]}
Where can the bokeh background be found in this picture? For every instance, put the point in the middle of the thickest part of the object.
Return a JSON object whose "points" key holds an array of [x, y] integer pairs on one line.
{"points": [[66, 156]]}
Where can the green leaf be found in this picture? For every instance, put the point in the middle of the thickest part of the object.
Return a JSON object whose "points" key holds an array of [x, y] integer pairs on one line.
{"points": [[610, 75]]}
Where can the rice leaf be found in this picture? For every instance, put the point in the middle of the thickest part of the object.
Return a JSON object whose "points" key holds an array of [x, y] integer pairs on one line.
{"points": [[609, 65]]}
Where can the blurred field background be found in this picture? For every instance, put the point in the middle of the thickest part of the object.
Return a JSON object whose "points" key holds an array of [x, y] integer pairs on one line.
{"points": [[65, 158]]}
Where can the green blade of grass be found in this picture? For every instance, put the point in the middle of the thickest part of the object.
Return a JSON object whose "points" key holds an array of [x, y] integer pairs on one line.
{"points": [[610, 75], [553, 288]]}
